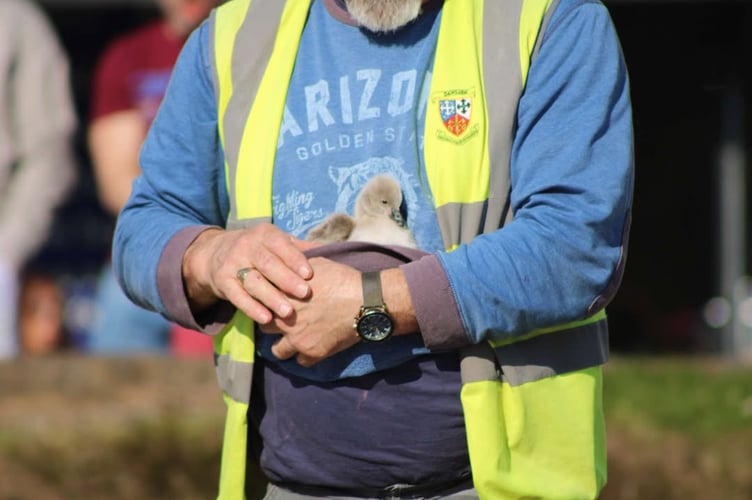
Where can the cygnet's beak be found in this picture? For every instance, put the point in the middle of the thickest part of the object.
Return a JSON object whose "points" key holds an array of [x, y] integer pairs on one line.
{"points": [[396, 216]]}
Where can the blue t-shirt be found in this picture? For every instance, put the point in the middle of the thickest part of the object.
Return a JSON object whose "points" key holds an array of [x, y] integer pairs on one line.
{"points": [[363, 118]]}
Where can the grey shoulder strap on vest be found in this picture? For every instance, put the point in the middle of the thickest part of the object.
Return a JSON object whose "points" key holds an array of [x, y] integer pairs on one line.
{"points": [[503, 88], [251, 53]]}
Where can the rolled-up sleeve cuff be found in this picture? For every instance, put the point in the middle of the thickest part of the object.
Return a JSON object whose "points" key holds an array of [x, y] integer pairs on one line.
{"points": [[172, 291], [435, 308]]}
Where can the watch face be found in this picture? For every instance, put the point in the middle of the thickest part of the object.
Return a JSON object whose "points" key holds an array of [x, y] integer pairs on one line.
{"points": [[375, 326]]}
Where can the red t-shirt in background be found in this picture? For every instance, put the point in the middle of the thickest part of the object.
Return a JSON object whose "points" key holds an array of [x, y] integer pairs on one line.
{"points": [[134, 70]]}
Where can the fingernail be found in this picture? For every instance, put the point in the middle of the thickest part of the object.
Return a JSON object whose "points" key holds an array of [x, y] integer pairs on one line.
{"points": [[285, 310], [302, 291], [305, 272]]}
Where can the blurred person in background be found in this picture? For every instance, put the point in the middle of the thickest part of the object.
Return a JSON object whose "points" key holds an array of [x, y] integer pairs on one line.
{"points": [[37, 166], [41, 327], [130, 80]]}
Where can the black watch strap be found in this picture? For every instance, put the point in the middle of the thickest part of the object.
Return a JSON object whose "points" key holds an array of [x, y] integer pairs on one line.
{"points": [[372, 296]]}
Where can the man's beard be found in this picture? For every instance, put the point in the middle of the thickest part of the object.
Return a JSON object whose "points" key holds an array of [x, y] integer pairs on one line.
{"points": [[383, 15]]}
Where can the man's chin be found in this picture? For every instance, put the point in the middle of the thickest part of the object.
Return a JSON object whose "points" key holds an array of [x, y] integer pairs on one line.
{"points": [[383, 16]]}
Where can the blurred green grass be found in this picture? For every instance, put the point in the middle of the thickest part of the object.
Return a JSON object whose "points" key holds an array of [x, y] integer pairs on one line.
{"points": [[700, 398], [678, 428], [71, 427]]}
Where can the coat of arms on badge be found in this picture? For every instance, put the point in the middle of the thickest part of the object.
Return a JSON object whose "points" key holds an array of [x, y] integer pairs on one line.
{"points": [[455, 113]]}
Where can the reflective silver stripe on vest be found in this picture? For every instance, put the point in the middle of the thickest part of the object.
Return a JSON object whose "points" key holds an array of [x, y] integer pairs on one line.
{"points": [[550, 354], [234, 223], [234, 377], [250, 56], [501, 64]]}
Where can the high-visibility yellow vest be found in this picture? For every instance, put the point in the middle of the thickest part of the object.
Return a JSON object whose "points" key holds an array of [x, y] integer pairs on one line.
{"points": [[532, 405]]}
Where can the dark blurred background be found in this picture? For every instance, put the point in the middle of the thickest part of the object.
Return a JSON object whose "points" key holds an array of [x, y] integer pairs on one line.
{"points": [[690, 64]]}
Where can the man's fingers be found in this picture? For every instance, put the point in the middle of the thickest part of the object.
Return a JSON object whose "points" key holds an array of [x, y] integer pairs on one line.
{"points": [[282, 349], [304, 245], [240, 298], [306, 361], [257, 286], [275, 270], [285, 247]]}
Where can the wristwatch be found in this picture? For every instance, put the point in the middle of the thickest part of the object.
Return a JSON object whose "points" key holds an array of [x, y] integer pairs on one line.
{"points": [[373, 323]]}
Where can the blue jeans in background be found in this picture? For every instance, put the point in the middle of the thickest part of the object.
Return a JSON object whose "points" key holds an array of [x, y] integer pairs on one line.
{"points": [[120, 327]]}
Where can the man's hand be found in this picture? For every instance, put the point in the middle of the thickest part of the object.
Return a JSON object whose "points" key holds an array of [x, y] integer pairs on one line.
{"points": [[322, 324], [278, 271]]}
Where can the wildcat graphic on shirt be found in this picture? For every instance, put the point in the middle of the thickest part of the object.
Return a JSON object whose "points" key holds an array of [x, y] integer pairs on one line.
{"points": [[377, 218]]}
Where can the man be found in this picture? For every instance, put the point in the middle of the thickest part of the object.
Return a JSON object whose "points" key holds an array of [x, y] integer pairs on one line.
{"points": [[508, 125], [37, 166], [130, 81]]}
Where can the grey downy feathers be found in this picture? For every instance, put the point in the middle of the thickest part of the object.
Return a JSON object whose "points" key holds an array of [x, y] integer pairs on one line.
{"points": [[377, 218]]}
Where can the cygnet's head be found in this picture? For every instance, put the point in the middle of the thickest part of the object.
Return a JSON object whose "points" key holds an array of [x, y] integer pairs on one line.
{"points": [[381, 196]]}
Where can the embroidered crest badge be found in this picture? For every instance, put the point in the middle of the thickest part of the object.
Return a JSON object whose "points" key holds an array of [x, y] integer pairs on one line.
{"points": [[460, 121], [455, 113]]}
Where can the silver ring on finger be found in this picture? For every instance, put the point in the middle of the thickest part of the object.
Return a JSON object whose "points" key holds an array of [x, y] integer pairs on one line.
{"points": [[242, 273]]}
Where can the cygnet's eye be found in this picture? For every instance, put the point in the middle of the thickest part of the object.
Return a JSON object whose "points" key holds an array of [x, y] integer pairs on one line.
{"points": [[384, 202]]}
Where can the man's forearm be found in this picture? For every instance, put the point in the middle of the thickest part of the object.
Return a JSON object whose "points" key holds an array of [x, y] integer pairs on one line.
{"points": [[397, 299], [194, 269]]}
